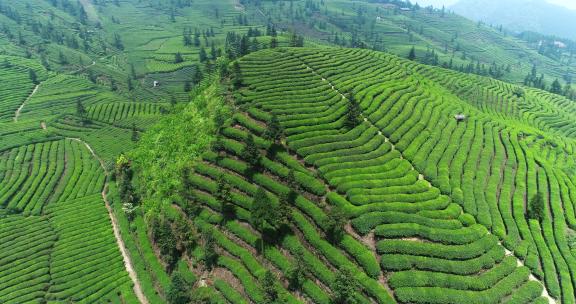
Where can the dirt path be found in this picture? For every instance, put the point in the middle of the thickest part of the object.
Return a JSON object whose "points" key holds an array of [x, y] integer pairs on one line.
{"points": [[531, 277], [17, 114], [127, 260], [82, 69]]}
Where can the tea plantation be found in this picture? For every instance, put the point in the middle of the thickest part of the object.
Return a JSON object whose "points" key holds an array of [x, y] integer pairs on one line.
{"points": [[261, 152], [432, 214]]}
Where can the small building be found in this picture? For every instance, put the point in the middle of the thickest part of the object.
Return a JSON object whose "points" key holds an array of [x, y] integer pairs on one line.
{"points": [[560, 44], [405, 9], [460, 117], [156, 83]]}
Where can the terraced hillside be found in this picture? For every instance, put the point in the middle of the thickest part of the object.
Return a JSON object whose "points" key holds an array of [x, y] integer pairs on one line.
{"points": [[456, 42], [431, 215], [178, 151], [66, 250], [492, 165]]}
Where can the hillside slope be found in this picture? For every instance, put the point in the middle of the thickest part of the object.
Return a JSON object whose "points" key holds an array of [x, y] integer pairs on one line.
{"points": [[536, 15], [447, 213]]}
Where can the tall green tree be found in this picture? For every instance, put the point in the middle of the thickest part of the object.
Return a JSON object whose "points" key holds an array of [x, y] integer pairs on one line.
{"points": [[556, 87], [81, 111], [210, 256], [268, 284], [251, 153], [259, 212], [353, 113], [33, 77], [236, 75], [536, 208], [337, 219], [274, 130], [135, 135], [344, 287], [178, 58], [203, 55], [412, 54], [297, 272], [224, 196], [179, 292]]}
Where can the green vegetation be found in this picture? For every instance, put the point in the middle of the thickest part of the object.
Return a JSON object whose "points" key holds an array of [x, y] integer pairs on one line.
{"points": [[279, 152]]}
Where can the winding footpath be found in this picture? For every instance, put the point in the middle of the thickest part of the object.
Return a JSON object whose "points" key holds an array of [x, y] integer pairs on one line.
{"points": [[127, 260], [17, 114]]}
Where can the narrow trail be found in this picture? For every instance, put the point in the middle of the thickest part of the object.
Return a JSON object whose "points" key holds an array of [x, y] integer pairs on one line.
{"points": [[83, 68], [17, 113], [115, 227], [545, 293]]}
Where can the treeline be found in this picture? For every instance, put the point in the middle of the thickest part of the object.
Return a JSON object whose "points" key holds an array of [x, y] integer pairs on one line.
{"points": [[550, 46], [538, 81], [238, 45]]}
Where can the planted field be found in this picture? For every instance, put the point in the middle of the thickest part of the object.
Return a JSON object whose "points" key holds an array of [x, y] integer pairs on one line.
{"points": [[408, 216], [35, 175], [112, 112], [16, 84], [25, 246], [86, 264], [418, 229], [67, 252]]}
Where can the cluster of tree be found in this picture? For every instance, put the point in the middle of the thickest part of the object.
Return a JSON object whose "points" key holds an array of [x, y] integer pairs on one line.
{"points": [[196, 78], [431, 58], [296, 40], [74, 9], [166, 6], [237, 45], [172, 238], [550, 46], [10, 12], [494, 70], [242, 19], [193, 39], [123, 176], [49, 32], [537, 81]]}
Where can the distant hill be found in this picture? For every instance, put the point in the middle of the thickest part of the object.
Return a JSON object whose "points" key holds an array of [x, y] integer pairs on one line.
{"points": [[521, 15]]}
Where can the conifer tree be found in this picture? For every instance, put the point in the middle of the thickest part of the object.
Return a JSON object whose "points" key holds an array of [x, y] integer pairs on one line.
{"points": [[344, 287], [536, 209], [250, 153], [353, 114], [259, 213], [412, 54], [274, 132], [268, 283], [33, 77]]}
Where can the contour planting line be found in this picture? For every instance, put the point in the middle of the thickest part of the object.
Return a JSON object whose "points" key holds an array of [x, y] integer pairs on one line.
{"points": [[545, 293]]}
